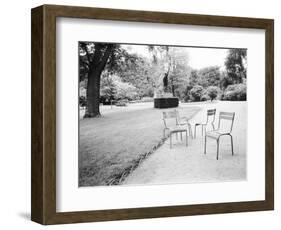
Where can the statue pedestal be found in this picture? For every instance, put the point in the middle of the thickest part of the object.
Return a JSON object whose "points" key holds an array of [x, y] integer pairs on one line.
{"points": [[166, 102]]}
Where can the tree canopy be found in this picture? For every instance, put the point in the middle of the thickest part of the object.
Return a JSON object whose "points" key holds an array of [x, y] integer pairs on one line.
{"points": [[111, 72]]}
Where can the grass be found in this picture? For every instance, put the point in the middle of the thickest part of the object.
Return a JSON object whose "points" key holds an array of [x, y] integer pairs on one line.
{"points": [[117, 140]]}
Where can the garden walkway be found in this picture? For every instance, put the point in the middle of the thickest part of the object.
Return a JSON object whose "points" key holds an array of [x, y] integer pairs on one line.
{"points": [[183, 164]]}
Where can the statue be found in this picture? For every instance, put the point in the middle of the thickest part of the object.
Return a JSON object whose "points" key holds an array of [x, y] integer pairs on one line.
{"points": [[165, 82]]}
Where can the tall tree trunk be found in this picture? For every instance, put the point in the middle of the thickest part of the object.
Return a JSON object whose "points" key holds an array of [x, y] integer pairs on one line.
{"points": [[93, 94], [97, 65]]}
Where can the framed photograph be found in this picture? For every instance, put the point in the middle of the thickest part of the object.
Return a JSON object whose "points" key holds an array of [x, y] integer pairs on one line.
{"points": [[140, 114]]}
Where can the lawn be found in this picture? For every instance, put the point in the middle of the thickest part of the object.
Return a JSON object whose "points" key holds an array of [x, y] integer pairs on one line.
{"points": [[115, 142]]}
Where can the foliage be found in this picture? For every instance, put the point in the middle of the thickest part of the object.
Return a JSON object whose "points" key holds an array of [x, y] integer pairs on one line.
{"points": [[125, 90], [108, 87], [206, 76], [196, 92], [137, 74], [209, 76], [147, 99], [212, 92], [205, 97], [169, 68], [82, 101], [237, 92], [180, 70], [121, 103], [194, 78], [225, 80], [236, 62], [133, 76]]}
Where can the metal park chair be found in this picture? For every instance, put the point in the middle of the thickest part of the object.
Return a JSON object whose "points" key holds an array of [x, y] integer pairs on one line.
{"points": [[172, 126], [211, 114], [216, 134], [183, 121]]}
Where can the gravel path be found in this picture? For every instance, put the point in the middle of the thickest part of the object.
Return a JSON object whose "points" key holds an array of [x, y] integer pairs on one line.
{"points": [[183, 164]]}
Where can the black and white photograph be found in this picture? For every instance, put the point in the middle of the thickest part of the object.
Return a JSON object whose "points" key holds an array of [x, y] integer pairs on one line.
{"points": [[161, 114]]}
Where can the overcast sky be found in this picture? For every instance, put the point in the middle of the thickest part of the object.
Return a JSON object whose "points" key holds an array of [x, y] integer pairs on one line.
{"points": [[198, 57]]}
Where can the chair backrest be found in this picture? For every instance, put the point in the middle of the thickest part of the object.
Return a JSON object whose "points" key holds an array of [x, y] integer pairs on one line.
{"points": [[211, 113], [171, 115], [228, 116], [178, 115]]}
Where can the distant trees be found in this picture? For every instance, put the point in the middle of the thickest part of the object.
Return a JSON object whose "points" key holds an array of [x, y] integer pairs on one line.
{"points": [[204, 84], [108, 88], [197, 92], [235, 64], [236, 92], [179, 71], [113, 88], [227, 85], [169, 69], [125, 90], [212, 92], [109, 72], [94, 59]]}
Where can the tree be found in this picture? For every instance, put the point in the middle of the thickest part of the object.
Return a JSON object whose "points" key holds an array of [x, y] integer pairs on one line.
{"points": [[179, 71], [108, 87], [235, 64], [237, 92], [212, 92], [196, 92], [125, 90], [160, 66], [225, 80], [209, 76], [194, 78], [137, 74], [169, 68], [94, 59]]}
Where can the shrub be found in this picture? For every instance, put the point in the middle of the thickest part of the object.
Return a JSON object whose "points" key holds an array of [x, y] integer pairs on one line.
{"points": [[121, 103], [236, 92], [205, 97], [186, 98], [125, 90], [212, 92], [147, 99], [196, 92], [82, 101]]}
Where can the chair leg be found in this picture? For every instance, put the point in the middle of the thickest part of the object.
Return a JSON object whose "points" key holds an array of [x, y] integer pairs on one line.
{"points": [[190, 131], [218, 147], [205, 144], [205, 129], [170, 140], [195, 131], [186, 138], [181, 136], [213, 126], [232, 145]]}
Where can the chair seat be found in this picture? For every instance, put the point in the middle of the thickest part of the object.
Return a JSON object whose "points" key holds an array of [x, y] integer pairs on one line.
{"points": [[183, 123], [216, 134], [176, 129], [200, 123]]}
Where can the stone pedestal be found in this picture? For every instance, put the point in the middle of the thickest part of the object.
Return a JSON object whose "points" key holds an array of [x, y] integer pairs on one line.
{"points": [[166, 102]]}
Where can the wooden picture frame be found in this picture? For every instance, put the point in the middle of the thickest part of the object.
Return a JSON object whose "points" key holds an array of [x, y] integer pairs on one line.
{"points": [[43, 202]]}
